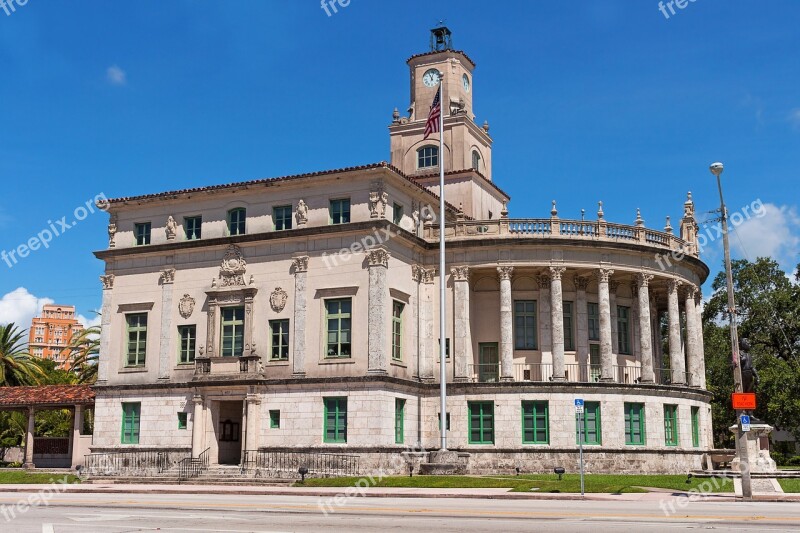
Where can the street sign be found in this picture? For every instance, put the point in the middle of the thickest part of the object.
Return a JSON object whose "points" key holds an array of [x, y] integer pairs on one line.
{"points": [[743, 401], [745, 421], [579, 406]]}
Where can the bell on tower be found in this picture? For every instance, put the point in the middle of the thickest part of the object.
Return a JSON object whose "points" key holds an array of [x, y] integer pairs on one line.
{"points": [[441, 39]]}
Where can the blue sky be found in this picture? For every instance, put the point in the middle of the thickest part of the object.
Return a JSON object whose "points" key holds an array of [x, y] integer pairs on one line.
{"points": [[587, 100]]}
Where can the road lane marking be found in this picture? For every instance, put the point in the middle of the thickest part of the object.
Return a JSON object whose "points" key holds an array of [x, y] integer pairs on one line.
{"points": [[47, 528]]}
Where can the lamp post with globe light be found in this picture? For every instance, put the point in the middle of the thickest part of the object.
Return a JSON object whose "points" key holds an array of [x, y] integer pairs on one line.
{"points": [[741, 440]]}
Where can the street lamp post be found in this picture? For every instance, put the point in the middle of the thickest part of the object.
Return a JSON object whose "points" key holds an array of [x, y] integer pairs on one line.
{"points": [[741, 438]]}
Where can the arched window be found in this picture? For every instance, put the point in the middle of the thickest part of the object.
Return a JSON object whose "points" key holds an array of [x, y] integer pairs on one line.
{"points": [[428, 156], [236, 219], [476, 160]]}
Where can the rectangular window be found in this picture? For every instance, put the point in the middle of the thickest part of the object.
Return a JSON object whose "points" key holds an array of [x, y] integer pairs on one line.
{"points": [[232, 332], [591, 424], [397, 213], [446, 349], [193, 227], [188, 336], [397, 331], [671, 425], [142, 233], [439, 420], [696, 427], [569, 337], [427, 157], [623, 329], [236, 221], [279, 340], [274, 419], [481, 422], [337, 317], [335, 420], [283, 217], [634, 424], [594, 321], [131, 419], [535, 425], [183, 420], [340, 211], [137, 339], [525, 324], [399, 420]]}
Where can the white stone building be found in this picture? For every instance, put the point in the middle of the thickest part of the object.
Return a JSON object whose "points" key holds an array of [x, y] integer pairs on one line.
{"points": [[301, 313]]}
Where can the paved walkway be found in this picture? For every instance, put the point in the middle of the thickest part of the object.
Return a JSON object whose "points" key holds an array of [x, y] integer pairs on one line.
{"points": [[373, 492]]}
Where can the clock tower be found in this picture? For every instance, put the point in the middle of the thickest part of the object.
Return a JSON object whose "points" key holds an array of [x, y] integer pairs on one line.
{"points": [[468, 147]]}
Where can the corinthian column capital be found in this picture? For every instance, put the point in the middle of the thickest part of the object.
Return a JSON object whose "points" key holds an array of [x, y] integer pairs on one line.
{"points": [[505, 272], [604, 274], [556, 272], [643, 279], [460, 273]]}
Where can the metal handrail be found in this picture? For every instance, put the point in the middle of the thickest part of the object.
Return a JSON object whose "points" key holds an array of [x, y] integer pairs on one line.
{"points": [[142, 463], [287, 464], [192, 467]]}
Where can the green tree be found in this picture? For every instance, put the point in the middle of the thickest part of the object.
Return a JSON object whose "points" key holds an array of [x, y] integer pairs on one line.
{"points": [[84, 352], [17, 367]]}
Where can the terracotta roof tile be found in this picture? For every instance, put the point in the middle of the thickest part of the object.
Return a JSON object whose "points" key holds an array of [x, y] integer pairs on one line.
{"points": [[442, 52], [46, 395]]}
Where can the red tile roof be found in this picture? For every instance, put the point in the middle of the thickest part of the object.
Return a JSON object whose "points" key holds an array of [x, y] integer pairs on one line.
{"points": [[46, 395], [442, 52]]}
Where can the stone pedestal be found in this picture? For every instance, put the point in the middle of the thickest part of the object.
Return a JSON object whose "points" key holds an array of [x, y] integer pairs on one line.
{"points": [[757, 448], [445, 463]]}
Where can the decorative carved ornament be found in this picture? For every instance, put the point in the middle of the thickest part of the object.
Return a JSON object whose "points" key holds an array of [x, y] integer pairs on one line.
{"points": [[543, 281], [581, 283], [378, 257], [557, 272], [460, 273], [167, 276], [643, 280], [673, 285], [186, 306], [689, 291], [277, 299], [613, 287], [378, 200], [233, 268], [171, 228], [604, 275], [505, 272], [300, 264], [107, 281], [112, 231], [302, 213]]}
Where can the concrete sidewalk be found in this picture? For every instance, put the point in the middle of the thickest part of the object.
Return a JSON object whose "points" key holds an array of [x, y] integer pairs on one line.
{"points": [[372, 492]]}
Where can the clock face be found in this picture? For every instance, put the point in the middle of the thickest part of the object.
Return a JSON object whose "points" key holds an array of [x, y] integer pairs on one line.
{"points": [[465, 82], [431, 78]]}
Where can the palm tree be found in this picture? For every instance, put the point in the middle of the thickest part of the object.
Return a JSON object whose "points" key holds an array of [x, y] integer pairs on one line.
{"points": [[84, 351], [17, 367]]}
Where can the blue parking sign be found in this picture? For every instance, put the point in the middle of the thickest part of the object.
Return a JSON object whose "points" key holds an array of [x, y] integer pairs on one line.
{"points": [[579, 405], [745, 421]]}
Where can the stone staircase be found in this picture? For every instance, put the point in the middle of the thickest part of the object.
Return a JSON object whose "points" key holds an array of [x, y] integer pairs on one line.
{"points": [[214, 475]]}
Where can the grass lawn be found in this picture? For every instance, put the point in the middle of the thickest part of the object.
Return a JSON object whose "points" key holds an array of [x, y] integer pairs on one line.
{"points": [[21, 477], [790, 485], [544, 483]]}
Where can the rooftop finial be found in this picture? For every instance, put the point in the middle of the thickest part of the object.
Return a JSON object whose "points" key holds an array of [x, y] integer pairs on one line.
{"points": [[554, 211], [668, 227], [639, 219], [600, 213]]}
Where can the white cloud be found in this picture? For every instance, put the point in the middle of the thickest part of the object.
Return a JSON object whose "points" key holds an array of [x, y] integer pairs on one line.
{"points": [[19, 306], [89, 322], [775, 235], [116, 76]]}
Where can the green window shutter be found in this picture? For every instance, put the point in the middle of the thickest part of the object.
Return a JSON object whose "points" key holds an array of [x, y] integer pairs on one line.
{"points": [[397, 331], [696, 427], [188, 344], [335, 430], [182, 420], [535, 423], [232, 338], [399, 420], [671, 425], [634, 424], [481, 422], [137, 338], [591, 424], [569, 338], [525, 324], [274, 419], [131, 419], [279, 340], [338, 319]]}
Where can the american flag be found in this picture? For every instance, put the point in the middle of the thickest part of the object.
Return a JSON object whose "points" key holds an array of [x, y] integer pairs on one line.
{"points": [[433, 118]]}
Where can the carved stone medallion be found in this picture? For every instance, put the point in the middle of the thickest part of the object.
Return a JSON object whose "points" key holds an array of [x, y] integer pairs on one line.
{"points": [[278, 299], [186, 306]]}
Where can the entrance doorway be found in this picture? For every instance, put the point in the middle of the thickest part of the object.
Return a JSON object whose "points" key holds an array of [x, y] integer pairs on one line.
{"points": [[228, 431]]}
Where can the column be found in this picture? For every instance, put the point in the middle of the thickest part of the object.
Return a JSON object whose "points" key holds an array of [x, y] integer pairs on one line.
{"points": [[74, 444], [211, 326], [604, 304], [167, 281], [197, 426], [557, 322], [252, 404], [645, 333], [378, 325], [582, 317], [249, 320], [701, 355], [462, 341], [613, 286], [29, 439], [427, 347], [506, 324], [691, 336], [676, 359], [105, 330], [544, 330], [300, 268], [415, 312]]}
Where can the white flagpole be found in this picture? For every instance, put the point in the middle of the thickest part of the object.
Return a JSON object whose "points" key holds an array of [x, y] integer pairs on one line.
{"points": [[442, 278]]}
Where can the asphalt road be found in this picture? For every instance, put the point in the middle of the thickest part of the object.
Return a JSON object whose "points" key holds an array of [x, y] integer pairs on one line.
{"points": [[113, 513]]}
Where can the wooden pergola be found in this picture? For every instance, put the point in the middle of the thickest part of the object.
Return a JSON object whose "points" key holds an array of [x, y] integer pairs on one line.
{"points": [[45, 398]]}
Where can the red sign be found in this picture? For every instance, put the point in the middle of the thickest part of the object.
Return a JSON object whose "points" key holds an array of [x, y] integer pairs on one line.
{"points": [[743, 401]]}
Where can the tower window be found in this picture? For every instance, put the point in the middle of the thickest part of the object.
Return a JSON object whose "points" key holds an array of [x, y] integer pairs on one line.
{"points": [[476, 160], [428, 156]]}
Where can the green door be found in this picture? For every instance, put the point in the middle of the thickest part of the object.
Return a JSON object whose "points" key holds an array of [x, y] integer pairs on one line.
{"points": [[488, 363]]}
